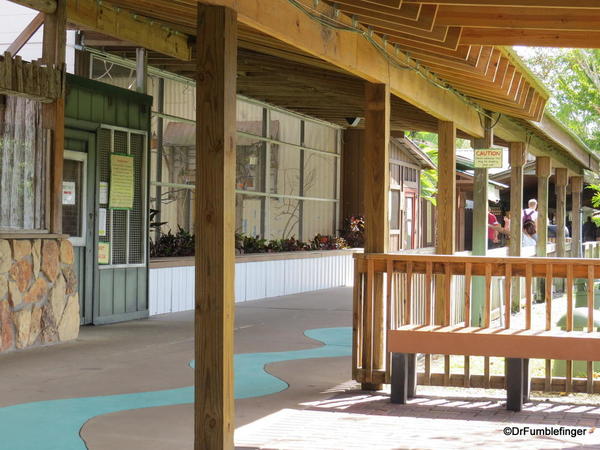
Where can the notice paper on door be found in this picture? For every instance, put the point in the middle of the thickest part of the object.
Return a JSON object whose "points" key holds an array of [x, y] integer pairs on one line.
{"points": [[102, 222], [103, 252], [68, 196], [103, 193], [121, 181]]}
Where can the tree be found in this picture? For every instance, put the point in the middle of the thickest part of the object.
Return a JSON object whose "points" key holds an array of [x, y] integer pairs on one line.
{"points": [[573, 77]]}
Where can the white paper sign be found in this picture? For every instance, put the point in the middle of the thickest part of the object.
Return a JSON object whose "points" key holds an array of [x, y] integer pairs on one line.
{"points": [[68, 196], [102, 222], [103, 193]]}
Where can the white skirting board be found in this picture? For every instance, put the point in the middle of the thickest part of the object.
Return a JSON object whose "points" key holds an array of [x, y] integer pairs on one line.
{"points": [[172, 289]]}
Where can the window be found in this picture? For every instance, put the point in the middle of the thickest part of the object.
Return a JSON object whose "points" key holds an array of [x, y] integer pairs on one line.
{"points": [[287, 165], [23, 159]]}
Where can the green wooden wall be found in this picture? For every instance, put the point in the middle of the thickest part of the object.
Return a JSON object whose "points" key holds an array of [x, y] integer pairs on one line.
{"points": [[119, 293]]}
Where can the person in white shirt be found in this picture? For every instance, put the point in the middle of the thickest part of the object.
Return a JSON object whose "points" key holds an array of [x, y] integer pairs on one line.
{"points": [[530, 213], [529, 237]]}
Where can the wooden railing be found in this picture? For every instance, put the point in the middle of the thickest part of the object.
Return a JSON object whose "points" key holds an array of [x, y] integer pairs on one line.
{"points": [[591, 249], [385, 298]]}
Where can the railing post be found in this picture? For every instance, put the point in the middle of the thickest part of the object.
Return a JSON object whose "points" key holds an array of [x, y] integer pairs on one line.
{"points": [[376, 190]]}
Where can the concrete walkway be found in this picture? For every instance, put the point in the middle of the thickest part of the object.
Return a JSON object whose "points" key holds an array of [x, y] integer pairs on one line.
{"points": [[321, 408]]}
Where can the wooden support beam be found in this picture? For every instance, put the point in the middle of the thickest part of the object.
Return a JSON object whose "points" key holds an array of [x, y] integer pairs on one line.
{"points": [[141, 70], [215, 227], [542, 171], [123, 25], [576, 189], [375, 194], [592, 4], [446, 208], [45, 6], [532, 38], [480, 221], [561, 181], [518, 157], [26, 34], [352, 52], [53, 114]]}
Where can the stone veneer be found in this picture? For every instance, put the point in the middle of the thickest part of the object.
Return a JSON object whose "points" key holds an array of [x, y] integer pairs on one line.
{"points": [[39, 303]]}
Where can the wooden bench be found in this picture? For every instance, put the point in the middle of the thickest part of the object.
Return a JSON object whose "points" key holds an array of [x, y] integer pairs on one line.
{"points": [[518, 346]]}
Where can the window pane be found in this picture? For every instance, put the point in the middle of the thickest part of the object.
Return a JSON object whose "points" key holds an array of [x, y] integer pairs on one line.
{"points": [[113, 74], [180, 99], [320, 137], [395, 210], [319, 175], [284, 216], [285, 170], [250, 164], [250, 118], [175, 206], [72, 199], [249, 214], [179, 153], [317, 218], [409, 231], [285, 128]]}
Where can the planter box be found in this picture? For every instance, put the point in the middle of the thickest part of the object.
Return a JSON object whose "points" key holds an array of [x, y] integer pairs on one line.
{"points": [[256, 276]]}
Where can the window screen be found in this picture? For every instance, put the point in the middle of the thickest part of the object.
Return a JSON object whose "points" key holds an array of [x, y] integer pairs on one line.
{"points": [[125, 229]]}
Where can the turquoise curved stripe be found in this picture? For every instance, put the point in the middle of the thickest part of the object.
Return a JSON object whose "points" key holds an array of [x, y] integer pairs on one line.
{"points": [[55, 424]]}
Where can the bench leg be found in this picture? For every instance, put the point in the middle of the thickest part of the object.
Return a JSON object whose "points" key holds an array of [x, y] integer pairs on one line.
{"points": [[526, 381], [403, 382], [514, 384], [411, 388]]}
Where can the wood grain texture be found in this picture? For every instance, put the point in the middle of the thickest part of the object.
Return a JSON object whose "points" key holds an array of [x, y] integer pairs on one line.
{"points": [[576, 189], [376, 178], [543, 166], [446, 209], [53, 53], [561, 180], [215, 227]]}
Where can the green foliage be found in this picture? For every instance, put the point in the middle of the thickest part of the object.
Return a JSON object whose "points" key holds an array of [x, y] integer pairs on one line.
{"points": [[429, 178], [168, 244], [328, 242], [596, 196], [353, 231], [573, 77]]}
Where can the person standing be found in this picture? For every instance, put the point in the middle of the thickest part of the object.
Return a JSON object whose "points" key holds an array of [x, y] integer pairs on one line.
{"points": [[530, 213], [589, 230], [493, 229]]}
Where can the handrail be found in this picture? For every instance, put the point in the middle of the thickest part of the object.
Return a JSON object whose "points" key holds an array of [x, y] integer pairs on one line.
{"points": [[401, 275]]}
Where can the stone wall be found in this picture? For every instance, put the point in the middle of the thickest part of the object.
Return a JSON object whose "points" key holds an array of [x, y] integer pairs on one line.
{"points": [[39, 303]]}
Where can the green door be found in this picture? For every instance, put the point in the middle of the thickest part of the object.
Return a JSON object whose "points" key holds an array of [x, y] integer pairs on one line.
{"points": [[110, 126]]}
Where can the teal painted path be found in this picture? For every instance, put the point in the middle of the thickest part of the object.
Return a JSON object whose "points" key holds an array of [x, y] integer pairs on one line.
{"points": [[55, 424]]}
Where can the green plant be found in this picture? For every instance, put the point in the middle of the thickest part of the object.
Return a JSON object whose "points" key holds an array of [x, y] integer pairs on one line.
{"points": [[353, 231], [287, 245], [321, 242], [168, 244], [253, 244]]}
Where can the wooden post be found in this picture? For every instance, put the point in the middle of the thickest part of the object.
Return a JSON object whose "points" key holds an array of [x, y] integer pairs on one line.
{"points": [[542, 171], [53, 114], [375, 201], [480, 223], [518, 156], [141, 70], [562, 178], [446, 208], [215, 226], [576, 189]]}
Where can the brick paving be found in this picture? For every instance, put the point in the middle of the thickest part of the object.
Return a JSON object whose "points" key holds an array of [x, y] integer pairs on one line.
{"points": [[438, 418]]}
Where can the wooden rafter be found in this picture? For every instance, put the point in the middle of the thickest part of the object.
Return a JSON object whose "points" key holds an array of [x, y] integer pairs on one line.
{"points": [[127, 26], [45, 6], [26, 34]]}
